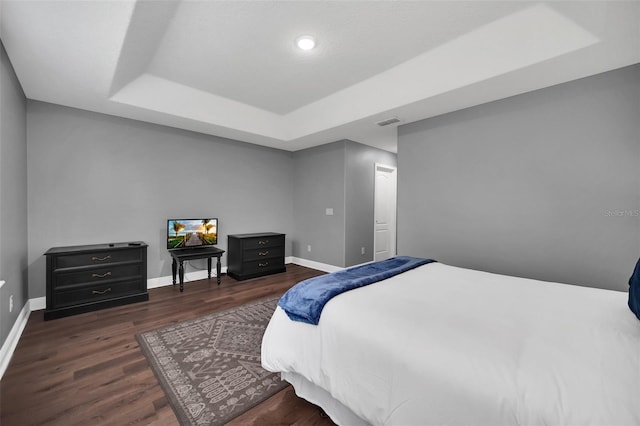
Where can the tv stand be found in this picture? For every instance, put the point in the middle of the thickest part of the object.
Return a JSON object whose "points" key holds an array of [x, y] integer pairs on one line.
{"points": [[180, 255]]}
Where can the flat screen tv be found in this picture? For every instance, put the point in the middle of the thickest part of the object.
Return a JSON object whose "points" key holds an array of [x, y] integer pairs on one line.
{"points": [[188, 233]]}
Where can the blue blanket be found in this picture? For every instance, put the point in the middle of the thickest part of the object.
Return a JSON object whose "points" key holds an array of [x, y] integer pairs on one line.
{"points": [[634, 291], [304, 301]]}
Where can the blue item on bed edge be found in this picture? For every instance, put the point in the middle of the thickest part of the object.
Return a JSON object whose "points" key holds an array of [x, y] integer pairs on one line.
{"points": [[634, 291], [304, 301]]}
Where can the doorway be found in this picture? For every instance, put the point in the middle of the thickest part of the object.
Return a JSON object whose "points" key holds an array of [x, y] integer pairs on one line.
{"points": [[385, 200]]}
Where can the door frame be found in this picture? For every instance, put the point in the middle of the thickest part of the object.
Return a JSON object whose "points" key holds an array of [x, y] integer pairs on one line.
{"points": [[394, 214]]}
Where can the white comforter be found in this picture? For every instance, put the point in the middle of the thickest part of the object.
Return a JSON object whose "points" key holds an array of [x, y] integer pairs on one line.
{"points": [[446, 345]]}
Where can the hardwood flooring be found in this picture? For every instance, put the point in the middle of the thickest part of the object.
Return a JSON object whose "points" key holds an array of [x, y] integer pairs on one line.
{"points": [[88, 368]]}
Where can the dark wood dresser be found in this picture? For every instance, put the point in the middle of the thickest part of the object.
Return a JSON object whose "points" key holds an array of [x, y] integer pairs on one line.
{"points": [[87, 278], [255, 255]]}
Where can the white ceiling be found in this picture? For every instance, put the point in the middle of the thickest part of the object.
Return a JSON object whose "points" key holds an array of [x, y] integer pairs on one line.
{"points": [[230, 68]]}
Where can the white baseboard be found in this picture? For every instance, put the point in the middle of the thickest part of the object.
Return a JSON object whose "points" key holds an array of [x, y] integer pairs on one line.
{"points": [[10, 343], [38, 303], [315, 265], [202, 274], [188, 276]]}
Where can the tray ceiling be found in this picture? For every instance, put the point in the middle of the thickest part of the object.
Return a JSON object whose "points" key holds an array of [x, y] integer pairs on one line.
{"points": [[231, 68]]}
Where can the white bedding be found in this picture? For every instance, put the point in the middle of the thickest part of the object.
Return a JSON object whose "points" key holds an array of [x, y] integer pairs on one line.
{"points": [[446, 345]]}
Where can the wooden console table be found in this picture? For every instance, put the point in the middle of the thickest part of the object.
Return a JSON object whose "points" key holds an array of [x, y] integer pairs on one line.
{"points": [[180, 255]]}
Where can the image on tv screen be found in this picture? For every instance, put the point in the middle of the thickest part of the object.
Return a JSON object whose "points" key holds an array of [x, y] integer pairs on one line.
{"points": [[184, 233]]}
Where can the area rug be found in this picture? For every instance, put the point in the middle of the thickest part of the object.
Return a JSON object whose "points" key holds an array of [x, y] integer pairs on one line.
{"points": [[209, 367]]}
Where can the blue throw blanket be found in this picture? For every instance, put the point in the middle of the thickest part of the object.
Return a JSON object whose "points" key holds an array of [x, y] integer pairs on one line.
{"points": [[634, 291], [304, 301]]}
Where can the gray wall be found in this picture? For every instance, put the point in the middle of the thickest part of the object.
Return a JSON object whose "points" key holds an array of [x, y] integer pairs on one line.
{"points": [[94, 178], [318, 185], [13, 195], [340, 176], [543, 185], [360, 163]]}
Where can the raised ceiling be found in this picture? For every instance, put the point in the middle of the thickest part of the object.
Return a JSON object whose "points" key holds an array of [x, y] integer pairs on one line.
{"points": [[231, 68]]}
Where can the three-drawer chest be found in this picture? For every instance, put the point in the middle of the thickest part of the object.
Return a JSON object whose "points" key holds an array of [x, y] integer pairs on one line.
{"points": [[86, 278], [255, 255]]}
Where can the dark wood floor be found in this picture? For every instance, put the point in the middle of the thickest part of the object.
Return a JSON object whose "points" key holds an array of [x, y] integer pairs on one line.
{"points": [[88, 368]]}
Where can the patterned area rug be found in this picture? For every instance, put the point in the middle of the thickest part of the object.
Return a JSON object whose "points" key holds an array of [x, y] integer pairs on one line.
{"points": [[209, 367]]}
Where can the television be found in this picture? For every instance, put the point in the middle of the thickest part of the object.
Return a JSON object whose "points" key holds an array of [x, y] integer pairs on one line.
{"points": [[190, 233]]}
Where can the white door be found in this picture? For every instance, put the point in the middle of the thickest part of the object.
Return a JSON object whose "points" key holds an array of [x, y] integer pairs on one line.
{"points": [[384, 240]]}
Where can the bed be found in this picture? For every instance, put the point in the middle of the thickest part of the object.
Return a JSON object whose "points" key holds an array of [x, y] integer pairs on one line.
{"points": [[440, 344]]}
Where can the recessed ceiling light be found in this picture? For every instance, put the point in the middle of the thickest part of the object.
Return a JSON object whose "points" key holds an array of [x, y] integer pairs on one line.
{"points": [[306, 42]]}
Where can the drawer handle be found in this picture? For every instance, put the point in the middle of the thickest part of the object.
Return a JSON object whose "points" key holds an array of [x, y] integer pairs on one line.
{"points": [[261, 242], [263, 253], [263, 264], [101, 292], [100, 259], [106, 274]]}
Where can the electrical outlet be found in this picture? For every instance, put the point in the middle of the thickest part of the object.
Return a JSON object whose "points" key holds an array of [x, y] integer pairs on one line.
{"points": [[11, 303], [309, 248], [362, 250]]}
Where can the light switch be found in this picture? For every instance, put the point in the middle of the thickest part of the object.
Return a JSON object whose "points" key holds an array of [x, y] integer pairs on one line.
{"points": [[329, 211]]}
